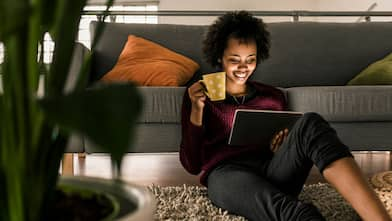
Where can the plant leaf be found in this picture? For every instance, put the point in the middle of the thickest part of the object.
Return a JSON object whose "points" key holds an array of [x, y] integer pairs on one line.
{"points": [[1, 127], [2, 18], [64, 32], [106, 114], [1, 112], [9, 21], [47, 12], [3, 193], [83, 77]]}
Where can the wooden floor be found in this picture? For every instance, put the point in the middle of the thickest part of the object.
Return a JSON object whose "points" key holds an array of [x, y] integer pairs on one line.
{"points": [[165, 169]]}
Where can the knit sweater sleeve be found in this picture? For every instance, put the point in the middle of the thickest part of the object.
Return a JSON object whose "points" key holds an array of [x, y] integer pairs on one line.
{"points": [[191, 142]]}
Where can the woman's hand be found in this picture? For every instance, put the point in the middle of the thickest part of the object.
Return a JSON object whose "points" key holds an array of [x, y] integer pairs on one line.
{"points": [[197, 97], [278, 139]]}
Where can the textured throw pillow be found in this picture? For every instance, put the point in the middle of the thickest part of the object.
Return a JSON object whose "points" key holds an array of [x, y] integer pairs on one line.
{"points": [[380, 72], [150, 64]]}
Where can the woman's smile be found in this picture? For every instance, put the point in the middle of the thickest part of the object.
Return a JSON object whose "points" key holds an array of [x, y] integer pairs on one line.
{"points": [[240, 75]]}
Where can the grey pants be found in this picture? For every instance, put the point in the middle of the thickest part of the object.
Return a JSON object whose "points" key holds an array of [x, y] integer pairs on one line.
{"points": [[261, 188]]}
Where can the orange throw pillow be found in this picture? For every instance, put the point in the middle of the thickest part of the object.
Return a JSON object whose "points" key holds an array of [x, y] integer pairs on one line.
{"points": [[149, 64]]}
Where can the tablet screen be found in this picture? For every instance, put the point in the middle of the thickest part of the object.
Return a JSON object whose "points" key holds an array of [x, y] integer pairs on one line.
{"points": [[257, 127]]}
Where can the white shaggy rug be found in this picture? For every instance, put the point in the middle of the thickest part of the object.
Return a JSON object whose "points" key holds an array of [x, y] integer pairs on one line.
{"points": [[191, 203]]}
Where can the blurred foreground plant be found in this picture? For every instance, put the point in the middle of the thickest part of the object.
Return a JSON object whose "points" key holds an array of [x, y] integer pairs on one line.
{"points": [[34, 130]]}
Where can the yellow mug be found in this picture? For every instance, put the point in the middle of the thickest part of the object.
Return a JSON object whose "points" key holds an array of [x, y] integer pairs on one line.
{"points": [[215, 84]]}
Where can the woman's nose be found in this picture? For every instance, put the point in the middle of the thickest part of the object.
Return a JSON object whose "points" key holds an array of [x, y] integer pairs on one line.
{"points": [[242, 65]]}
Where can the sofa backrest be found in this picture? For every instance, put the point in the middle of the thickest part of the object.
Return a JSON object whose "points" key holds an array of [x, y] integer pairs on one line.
{"points": [[315, 54], [302, 53]]}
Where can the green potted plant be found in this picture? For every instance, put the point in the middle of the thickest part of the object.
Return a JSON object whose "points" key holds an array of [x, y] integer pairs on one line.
{"points": [[34, 130]]}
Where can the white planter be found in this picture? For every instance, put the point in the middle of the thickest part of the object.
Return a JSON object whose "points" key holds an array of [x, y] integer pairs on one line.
{"points": [[126, 194]]}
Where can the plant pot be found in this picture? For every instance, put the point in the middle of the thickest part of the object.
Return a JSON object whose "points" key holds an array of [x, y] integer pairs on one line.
{"points": [[135, 202]]}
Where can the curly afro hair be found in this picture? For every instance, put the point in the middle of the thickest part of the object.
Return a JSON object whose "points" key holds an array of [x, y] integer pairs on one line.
{"points": [[239, 25]]}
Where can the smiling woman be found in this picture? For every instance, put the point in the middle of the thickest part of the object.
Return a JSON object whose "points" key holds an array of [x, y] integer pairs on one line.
{"points": [[262, 181]]}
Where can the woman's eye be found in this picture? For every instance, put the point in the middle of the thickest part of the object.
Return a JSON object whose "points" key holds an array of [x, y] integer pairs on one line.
{"points": [[234, 61], [251, 61]]}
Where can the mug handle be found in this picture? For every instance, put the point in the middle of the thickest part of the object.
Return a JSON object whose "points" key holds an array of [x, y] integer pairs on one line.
{"points": [[205, 87]]}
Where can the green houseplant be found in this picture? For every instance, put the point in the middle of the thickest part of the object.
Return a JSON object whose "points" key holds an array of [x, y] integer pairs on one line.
{"points": [[34, 131]]}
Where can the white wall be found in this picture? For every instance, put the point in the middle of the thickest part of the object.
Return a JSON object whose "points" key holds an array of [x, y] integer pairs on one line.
{"points": [[355, 5], [277, 5], [256, 5]]}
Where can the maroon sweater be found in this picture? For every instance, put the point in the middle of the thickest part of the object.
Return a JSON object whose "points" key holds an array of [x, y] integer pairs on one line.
{"points": [[202, 148]]}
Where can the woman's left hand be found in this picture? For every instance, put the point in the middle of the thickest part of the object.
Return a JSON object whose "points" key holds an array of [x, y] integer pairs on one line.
{"points": [[278, 139]]}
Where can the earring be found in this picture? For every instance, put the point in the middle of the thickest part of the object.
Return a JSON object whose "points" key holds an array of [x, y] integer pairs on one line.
{"points": [[219, 60]]}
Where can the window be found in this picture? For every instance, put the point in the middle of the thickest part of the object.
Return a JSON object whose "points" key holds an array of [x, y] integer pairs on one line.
{"points": [[1, 53], [84, 34]]}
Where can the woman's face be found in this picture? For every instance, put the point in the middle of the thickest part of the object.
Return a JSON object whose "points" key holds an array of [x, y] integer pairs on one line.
{"points": [[239, 61]]}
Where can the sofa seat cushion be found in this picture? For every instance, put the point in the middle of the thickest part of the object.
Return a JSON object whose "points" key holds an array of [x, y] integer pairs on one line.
{"points": [[344, 103], [362, 136], [149, 138], [161, 104]]}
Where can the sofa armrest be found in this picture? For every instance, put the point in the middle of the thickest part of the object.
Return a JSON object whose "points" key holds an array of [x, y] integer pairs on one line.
{"points": [[79, 55]]}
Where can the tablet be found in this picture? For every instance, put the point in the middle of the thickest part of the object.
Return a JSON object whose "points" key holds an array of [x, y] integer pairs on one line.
{"points": [[257, 127]]}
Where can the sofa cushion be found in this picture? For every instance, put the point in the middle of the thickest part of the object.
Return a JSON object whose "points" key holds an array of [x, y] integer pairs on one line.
{"points": [[149, 64], [344, 103], [378, 73], [161, 104]]}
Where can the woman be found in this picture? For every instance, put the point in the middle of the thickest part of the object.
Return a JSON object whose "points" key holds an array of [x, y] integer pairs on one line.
{"points": [[262, 183]]}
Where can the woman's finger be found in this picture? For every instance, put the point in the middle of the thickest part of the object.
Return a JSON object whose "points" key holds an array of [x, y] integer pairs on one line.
{"points": [[199, 94], [203, 85], [195, 90], [286, 132], [196, 87], [279, 141], [274, 138], [275, 147], [272, 144]]}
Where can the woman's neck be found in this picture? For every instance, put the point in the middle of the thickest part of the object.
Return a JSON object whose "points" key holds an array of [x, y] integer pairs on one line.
{"points": [[237, 90]]}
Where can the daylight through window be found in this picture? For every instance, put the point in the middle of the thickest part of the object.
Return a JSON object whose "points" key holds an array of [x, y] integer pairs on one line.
{"points": [[84, 34]]}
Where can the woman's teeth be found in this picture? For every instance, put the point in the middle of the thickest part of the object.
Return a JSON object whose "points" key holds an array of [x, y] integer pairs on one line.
{"points": [[240, 75]]}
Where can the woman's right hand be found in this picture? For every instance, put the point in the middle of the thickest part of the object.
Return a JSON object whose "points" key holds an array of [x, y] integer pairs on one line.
{"points": [[278, 139], [197, 97]]}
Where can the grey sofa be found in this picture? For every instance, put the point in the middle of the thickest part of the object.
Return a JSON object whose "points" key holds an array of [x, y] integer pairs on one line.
{"points": [[311, 62]]}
